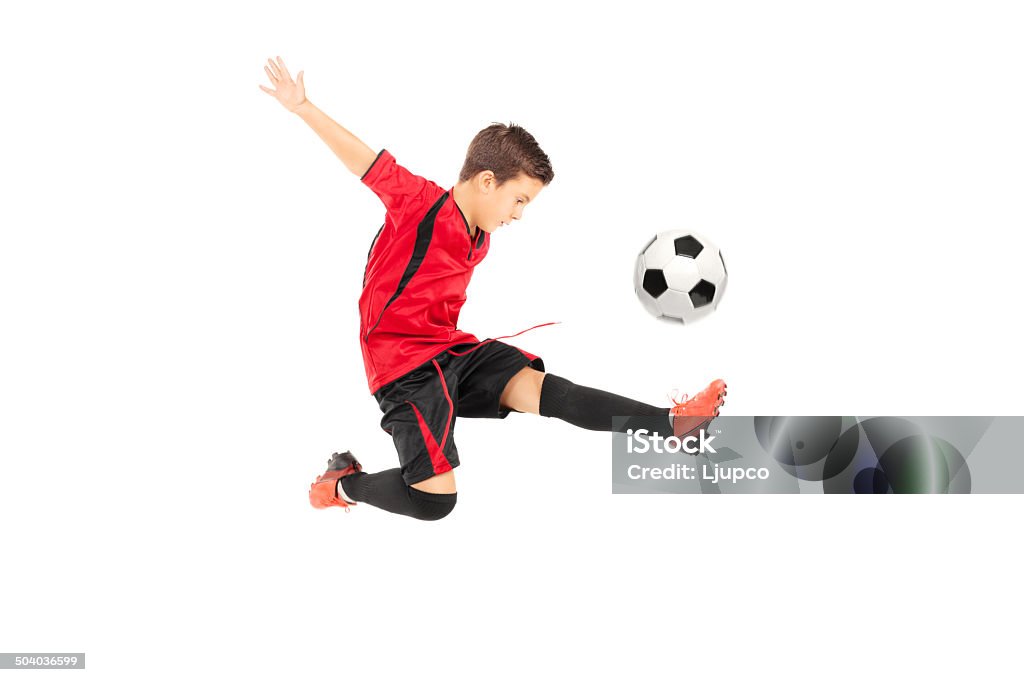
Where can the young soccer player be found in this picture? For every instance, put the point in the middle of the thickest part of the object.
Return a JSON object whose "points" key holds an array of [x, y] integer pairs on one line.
{"points": [[422, 369]]}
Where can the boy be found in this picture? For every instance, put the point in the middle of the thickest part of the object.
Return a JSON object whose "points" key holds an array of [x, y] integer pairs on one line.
{"points": [[424, 371]]}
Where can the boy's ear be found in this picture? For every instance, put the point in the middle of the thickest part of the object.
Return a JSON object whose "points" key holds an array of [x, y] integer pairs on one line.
{"points": [[485, 181]]}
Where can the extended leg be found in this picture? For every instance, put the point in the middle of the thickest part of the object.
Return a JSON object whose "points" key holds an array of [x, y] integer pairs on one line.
{"points": [[550, 395]]}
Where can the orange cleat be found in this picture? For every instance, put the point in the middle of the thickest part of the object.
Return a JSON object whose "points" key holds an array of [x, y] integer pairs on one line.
{"points": [[689, 416], [323, 492]]}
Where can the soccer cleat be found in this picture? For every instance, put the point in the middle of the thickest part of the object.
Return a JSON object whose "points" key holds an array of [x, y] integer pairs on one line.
{"points": [[689, 416], [323, 492]]}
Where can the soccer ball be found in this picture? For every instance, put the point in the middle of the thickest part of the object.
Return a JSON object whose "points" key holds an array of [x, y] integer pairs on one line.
{"points": [[680, 276]]}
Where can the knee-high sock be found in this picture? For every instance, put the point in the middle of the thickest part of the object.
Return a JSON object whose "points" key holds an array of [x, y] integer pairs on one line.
{"points": [[593, 409], [387, 490]]}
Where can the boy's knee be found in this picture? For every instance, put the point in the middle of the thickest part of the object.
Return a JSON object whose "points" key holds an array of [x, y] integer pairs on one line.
{"points": [[431, 506], [523, 390]]}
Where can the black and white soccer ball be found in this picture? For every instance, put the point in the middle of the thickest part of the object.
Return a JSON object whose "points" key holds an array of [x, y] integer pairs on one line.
{"points": [[680, 276]]}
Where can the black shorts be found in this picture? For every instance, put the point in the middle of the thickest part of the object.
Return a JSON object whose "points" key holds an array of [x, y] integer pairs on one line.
{"points": [[420, 407]]}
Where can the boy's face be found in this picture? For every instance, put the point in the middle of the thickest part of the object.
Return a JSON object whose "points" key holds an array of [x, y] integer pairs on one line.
{"points": [[501, 205]]}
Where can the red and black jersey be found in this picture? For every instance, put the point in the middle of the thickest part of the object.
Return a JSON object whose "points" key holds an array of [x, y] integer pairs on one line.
{"points": [[417, 271]]}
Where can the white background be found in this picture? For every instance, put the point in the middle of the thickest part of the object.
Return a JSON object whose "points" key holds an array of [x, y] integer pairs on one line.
{"points": [[180, 263]]}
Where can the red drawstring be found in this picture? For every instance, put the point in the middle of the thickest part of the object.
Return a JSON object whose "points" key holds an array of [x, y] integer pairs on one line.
{"points": [[501, 337]]}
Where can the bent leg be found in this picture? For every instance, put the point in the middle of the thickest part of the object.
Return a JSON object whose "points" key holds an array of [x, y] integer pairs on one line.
{"points": [[388, 491], [419, 414]]}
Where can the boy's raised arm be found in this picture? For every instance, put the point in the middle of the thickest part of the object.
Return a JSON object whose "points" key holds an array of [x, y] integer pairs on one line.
{"points": [[352, 151]]}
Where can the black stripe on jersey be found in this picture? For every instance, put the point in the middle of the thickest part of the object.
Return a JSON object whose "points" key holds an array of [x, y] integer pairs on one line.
{"points": [[372, 244], [464, 221], [424, 233], [475, 242]]}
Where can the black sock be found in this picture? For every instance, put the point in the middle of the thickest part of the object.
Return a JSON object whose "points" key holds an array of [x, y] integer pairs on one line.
{"points": [[593, 409], [387, 490]]}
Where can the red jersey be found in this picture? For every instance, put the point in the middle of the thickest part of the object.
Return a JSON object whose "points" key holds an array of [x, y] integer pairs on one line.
{"points": [[417, 271]]}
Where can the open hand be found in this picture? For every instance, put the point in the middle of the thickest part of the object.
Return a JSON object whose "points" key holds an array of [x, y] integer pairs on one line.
{"points": [[290, 93]]}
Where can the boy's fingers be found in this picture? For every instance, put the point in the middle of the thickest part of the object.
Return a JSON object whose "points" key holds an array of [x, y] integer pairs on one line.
{"points": [[270, 74], [268, 91], [284, 69], [272, 68]]}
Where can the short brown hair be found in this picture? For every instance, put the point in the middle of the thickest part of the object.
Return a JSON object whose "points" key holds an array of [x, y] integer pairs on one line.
{"points": [[506, 151]]}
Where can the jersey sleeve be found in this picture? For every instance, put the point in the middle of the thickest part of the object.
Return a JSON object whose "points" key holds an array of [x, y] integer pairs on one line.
{"points": [[394, 184]]}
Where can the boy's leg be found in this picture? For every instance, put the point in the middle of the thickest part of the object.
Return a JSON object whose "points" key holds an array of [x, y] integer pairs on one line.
{"points": [[388, 491], [344, 483], [419, 414], [497, 378], [550, 395], [522, 392]]}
